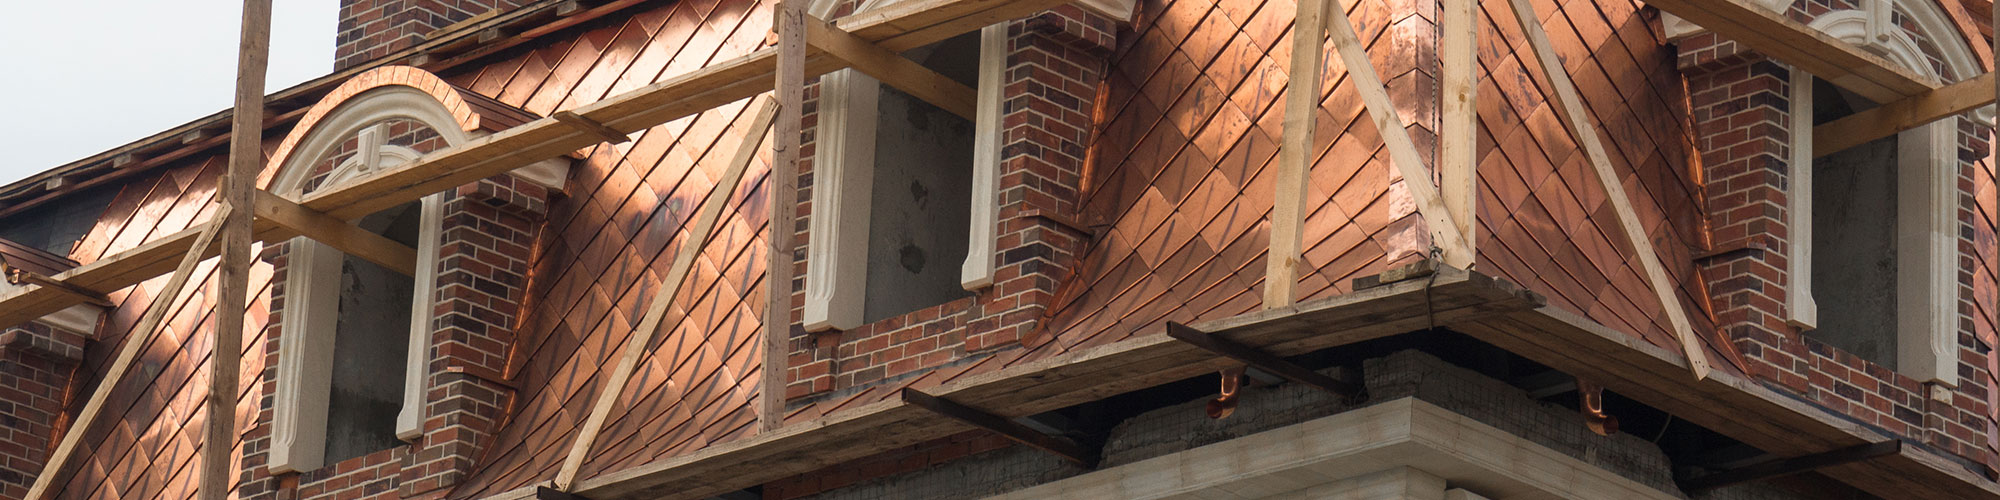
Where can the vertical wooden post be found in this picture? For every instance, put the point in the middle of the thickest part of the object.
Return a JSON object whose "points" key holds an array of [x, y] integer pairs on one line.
{"points": [[246, 157], [1458, 149], [1295, 153], [790, 87]]}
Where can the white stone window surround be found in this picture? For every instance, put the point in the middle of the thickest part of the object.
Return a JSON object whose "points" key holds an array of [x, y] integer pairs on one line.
{"points": [[305, 353], [1927, 201], [843, 166]]}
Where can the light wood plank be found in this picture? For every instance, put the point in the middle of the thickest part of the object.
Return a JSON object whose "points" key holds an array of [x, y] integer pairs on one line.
{"points": [[893, 69], [642, 336], [336, 233], [1794, 43], [789, 82], [1458, 134], [136, 339], [1574, 115], [1281, 266], [1904, 114]]}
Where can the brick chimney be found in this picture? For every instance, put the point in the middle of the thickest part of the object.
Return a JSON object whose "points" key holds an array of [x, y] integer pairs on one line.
{"points": [[374, 28]]}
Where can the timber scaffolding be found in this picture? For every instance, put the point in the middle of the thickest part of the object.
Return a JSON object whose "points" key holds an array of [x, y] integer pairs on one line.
{"points": [[1488, 309]]}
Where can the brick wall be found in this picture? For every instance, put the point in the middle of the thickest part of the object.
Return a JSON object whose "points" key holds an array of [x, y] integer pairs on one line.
{"points": [[1054, 65], [36, 366], [1741, 108], [488, 232], [374, 28]]}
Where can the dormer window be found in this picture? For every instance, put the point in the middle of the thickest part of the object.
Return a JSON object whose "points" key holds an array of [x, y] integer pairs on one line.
{"points": [[1874, 227], [904, 209], [349, 327]]}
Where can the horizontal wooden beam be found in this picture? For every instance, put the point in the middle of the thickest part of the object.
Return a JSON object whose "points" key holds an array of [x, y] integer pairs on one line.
{"points": [[1263, 360], [1788, 466], [1794, 43], [893, 69], [1907, 113], [1061, 446], [336, 233]]}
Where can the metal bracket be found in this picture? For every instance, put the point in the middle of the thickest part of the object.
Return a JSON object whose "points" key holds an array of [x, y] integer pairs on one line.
{"points": [[1789, 466], [547, 493], [1351, 390], [1061, 446]]}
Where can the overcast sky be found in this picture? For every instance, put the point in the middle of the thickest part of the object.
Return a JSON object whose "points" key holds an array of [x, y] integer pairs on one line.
{"points": [[86, 76]]}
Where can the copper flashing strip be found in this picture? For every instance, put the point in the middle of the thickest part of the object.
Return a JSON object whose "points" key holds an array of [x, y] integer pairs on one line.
{"points": [[1789, 466], [1061, 446], [1349, 389], [592, 127]]}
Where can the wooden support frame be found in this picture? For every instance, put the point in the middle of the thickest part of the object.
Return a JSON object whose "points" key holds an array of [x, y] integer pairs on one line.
{"points": [[1789, 466], [649, 325], [336, 233], [1351, 390], [1794, 43], [246, 158], [1578, 120], [135, 340], [893, 69], [1903, 114], [788, 83], [1061, 446]]}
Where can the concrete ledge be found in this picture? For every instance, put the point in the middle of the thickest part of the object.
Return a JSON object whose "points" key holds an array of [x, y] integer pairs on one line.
{"points": [[1404, 433]]}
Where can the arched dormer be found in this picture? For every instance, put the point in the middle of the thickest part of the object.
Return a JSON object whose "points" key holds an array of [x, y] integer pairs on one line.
{"points": [[358, 364]]}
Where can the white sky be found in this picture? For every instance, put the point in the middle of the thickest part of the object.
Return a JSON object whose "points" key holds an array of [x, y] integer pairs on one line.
{"points": [[86, 76]]}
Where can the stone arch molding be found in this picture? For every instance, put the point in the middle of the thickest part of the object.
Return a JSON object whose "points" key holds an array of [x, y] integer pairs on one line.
{"points": [[358, 109]]}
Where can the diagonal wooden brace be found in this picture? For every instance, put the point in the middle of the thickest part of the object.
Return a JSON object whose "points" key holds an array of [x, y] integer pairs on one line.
{"points": [[893, 69]]}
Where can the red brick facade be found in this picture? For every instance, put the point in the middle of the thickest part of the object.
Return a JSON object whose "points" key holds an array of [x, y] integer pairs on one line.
{"points": [[370, 29], [36, 366], [1741, 107], [1054, 63]]}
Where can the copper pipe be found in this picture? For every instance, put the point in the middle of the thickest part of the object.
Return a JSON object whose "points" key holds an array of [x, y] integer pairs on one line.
{"points": [[1232, 384]]}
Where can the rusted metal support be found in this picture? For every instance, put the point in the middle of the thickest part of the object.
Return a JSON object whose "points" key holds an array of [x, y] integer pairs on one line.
{"points": [[547, 493], [1352, 390], [1789, 466], [1061, 446]]}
